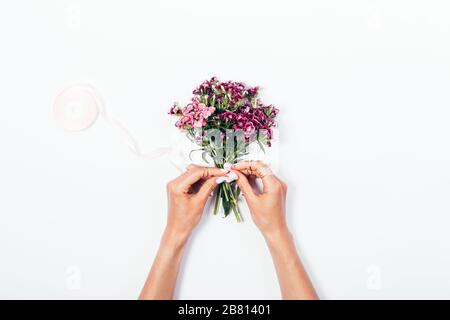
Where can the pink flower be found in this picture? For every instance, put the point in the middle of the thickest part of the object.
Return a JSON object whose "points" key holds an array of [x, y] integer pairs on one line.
{"points": [[186, 120], [194, 115], [199, 122], [249, 129], [204, 110]]}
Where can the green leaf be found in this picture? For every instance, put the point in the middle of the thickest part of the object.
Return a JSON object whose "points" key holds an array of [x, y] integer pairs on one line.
{"points": [[226, 206], [237, 214], [217, 200], [238, 192], [261, 146]]}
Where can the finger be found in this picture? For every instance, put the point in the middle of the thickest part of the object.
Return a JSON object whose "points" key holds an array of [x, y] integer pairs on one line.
{"points": [[195, 173], [254, 184], [205, 191], [256, 168], [259, 169], [195, 187], [245, 186]]}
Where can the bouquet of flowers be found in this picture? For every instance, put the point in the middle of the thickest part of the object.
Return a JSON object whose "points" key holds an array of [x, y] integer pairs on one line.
{"points": [[223, 119]]}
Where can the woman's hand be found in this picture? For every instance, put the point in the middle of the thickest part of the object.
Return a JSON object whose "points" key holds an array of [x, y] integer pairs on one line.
{"points": [[187, 196], [267, 206]]}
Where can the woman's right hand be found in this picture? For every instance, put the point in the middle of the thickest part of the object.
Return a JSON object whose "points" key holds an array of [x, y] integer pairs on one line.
{"points": [[267, 206]]}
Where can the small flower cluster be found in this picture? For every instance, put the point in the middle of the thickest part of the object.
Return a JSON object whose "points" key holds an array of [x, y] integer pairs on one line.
{"points": [[251, 119], [227, 105], [194, 115], [234, 93]]}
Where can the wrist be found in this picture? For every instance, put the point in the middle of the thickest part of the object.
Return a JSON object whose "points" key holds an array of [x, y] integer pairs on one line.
{"points": [[174, 238], [277, 236]]}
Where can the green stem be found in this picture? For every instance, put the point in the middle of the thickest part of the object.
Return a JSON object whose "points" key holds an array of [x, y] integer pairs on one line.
{"points": [[236, 212], [223, 185], [225, 190], [216, 204], [234, 205]]}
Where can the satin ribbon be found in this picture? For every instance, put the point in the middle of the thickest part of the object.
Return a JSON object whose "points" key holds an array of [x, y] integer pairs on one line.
{"points": [[80, 92]]}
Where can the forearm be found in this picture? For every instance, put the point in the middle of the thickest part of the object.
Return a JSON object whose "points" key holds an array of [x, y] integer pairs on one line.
{"points": [[293, 279], [162, 278]]}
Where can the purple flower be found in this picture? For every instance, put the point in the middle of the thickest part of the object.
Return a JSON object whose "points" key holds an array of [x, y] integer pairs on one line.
{"points": [[175, 110], [270, 111], [227, 105], [228, 115], [249, 129]]}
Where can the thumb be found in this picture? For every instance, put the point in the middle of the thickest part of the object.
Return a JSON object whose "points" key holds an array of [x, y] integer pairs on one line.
{"points": [[207, 187], [245, 186]]}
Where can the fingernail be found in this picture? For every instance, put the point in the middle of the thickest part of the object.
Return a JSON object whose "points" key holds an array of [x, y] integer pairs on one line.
{"points": [[212, 193], [227, 166], [224, 170], [219, 180], [231, 177], [233, 174]]}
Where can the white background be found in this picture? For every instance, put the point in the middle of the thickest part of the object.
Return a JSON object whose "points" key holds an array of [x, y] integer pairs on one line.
{"points": [[363, 89]]}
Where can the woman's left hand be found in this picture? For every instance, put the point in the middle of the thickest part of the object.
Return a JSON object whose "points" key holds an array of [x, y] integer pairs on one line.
{"points": [[187, 196]]}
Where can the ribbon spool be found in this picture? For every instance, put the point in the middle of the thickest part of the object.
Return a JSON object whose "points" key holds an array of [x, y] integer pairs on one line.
{"points": [[76, 108]]}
